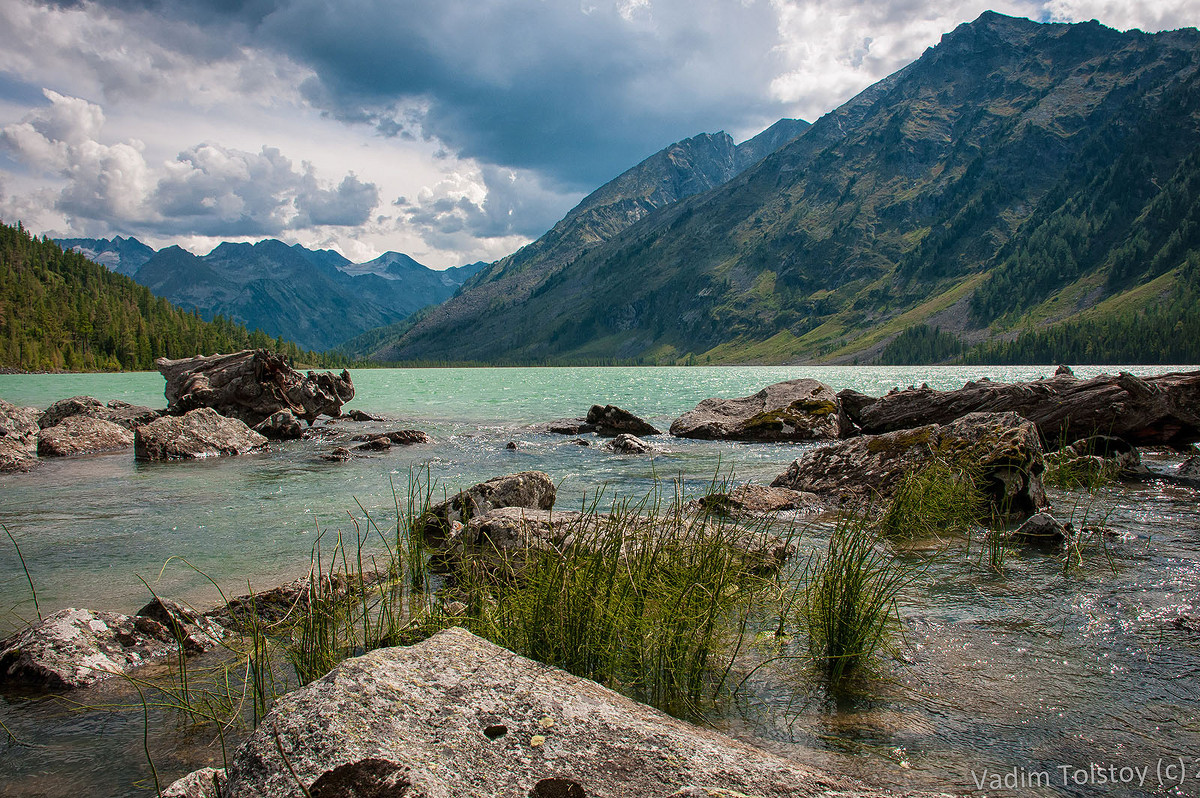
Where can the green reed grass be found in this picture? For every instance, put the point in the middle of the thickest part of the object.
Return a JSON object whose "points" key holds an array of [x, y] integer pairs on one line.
{"points": [[934, 500], [850, 606]]}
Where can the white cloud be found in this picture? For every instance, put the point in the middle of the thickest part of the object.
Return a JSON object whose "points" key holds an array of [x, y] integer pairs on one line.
{"points": [[207, 189], [1147, 15]]}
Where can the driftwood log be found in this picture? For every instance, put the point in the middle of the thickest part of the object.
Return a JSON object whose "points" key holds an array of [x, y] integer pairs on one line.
{"points": [[1151, 411], [252, 385]]}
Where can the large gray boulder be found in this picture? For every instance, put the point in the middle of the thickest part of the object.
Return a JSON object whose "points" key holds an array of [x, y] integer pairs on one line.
{"points": [[610, 421], [18, 437], [533, 490], [78, 648], [455, 715], [199, 433], [76, 435], [796, 410], [126, 415], [252, 385], [1001, 452]]}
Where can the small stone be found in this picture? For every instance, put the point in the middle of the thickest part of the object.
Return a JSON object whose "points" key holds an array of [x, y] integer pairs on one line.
{"points": [[536, 741], [546, 722]]}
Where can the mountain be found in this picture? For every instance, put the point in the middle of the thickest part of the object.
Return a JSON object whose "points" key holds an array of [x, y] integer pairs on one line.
{"points": [[681, 170], [1017, 176], [60, 310], [121, 255], [315, 297]]}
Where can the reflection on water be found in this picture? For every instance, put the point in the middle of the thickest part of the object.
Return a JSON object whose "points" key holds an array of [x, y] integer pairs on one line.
{"points": [[1039, 667]]}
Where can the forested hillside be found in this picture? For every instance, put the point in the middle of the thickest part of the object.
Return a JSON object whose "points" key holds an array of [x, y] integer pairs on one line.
{"points": [[61, 311]]}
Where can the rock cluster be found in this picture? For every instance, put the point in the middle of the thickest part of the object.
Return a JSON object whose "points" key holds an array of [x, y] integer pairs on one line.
{"points": [[202, 432]]}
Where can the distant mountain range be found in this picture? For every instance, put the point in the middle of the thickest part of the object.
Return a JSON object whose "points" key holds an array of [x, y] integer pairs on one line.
{"points": [[316, 298], [1017, 177]]}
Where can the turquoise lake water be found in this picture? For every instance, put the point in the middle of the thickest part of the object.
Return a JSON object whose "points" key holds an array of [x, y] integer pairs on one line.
{"points": [[1032, 668]]}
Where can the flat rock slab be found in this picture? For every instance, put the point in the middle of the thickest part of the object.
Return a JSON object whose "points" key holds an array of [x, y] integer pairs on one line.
{"points": [[458, 716], [76, 435], [252, 385], [78, 648], [199, 433], [796, 410], [1002, 451], [1145, 411], [18, 437]]}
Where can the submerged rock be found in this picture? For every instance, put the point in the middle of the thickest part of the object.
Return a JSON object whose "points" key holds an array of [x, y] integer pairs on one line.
{"points": [[78, 648], [564, 426], [796, 410], [199, 433], [400, 437], [339, 455], [610, 421], [455, 715], [126, 415], [1042, 529], [358, 415], [1001, 452], [628, 444], [79, 434], [281, 426], [252, 385], [532, 490], [18, 437]]}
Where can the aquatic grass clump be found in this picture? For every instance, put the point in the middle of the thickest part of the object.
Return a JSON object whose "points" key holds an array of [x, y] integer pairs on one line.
{"points": [[647, 598], [933, 500], [1068, 470], [850, 608]]}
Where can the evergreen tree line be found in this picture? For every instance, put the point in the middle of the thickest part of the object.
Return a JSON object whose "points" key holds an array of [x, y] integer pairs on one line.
{"points": [[60, 311]]}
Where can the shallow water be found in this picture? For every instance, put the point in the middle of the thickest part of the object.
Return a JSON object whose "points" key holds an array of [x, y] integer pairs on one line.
{"points": [[1033, 669]]}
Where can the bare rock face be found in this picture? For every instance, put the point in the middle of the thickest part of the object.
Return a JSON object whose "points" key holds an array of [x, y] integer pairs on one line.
{"points": [[533, 490], [628, 444], [796, 410], [77, 648], [199, 433], [610, 421], [18, 437], [1162, 410], [280, 426], [83, 435], [1001, 451], [252, 385], [126, 415], [457, 716]]}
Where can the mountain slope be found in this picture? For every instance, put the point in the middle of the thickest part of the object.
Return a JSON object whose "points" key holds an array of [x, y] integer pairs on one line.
{"points": [[60, 310], [681, 170], [913, 203], [121, 255], [317, 298]]}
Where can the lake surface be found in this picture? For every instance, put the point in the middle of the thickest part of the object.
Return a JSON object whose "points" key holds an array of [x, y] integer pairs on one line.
{"points": [[1035, 668]]}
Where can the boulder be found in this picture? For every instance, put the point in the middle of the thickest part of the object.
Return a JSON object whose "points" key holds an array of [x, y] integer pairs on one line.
{"points": [[358, 415], [796, 410], [1151, 411], [202, 783], [280, 426], [83, 435], [1000, 451], [1042, 529], [379, 443], [532, 490], [339, 455], [18, 437], [564, 426], [761, 500], [77, 648], [610, 421], [628, 444], [199, 433], [456, 715], [278, 604], [401, 437], [252, 385], [128, 416]]}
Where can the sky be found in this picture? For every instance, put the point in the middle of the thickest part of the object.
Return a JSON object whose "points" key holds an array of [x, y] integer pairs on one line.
{"points": [[451, 130]]}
